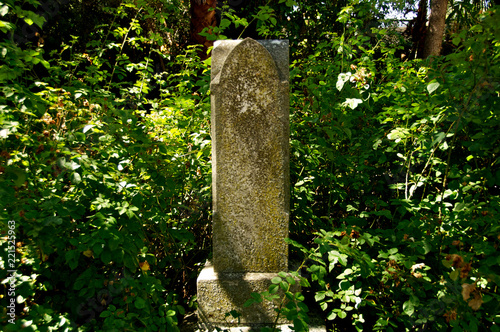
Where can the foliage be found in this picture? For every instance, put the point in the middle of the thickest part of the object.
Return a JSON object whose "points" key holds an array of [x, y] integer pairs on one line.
{"points": [[105, 166], [105, 172], [396, 164]]}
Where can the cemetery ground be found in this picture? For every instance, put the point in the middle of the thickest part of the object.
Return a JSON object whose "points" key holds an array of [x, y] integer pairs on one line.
{"points": [[106, 167]]}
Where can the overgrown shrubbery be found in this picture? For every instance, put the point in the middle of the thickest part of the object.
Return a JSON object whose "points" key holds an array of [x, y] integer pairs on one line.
{"points": [[106, 179], [396, 174], [105, 169]]}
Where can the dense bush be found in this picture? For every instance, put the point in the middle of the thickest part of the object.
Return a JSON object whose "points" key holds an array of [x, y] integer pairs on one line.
{"points": [[106, 179], [396, 174], [105, 169]]}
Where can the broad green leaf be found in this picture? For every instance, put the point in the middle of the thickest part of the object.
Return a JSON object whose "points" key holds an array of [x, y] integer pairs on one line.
{"points": [[273, 289], [299, 296], [408, 308], [5, 27], [18, 175], [432, 87], [106, 257], [290, 280], [342, 314], [276, 280], [105, 314], [139, 303], [72, 257]]}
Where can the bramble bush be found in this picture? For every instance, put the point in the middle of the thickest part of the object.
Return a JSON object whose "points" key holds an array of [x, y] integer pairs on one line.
{"points": [[108, 183], [105, 170], [396, 180]]}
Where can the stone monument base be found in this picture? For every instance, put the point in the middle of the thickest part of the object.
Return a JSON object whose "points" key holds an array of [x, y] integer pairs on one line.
{"points": [[220, 293]]}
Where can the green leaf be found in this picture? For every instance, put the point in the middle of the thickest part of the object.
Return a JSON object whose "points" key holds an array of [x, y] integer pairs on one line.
{"points": [[299, 296], [6, 27], [72, 257], [408, 308], [34, 18], [53, 220], [18, 175], [224, 23], [447, 263], [459, 206], [273, 289], [249, 303], [304, 282], [105, 314], [320, 296], [276, 280], [256, 298], [344, 285], [432, 87], [106, 257], [342, 314], [181, 309], [140, 304], [332, 315], [76, 178], [79, 284], [302, 306]]}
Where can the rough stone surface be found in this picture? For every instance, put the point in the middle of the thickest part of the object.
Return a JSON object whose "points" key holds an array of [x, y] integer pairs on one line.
{"points": [[250, 180], [250, 147], [219, 293]]}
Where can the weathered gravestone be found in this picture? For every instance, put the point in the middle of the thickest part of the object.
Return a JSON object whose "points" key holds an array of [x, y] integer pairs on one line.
{"points": [[250, 179]]}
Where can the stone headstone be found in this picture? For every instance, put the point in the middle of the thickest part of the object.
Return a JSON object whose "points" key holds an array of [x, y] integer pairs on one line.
{"points": [[250, 179]]}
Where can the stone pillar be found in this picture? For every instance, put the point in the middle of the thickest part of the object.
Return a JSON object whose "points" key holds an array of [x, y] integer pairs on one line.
{"points": [[250, 179]]}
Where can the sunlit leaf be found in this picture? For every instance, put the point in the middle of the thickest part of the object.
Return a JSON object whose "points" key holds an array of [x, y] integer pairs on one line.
{"points": [[432, 87]]}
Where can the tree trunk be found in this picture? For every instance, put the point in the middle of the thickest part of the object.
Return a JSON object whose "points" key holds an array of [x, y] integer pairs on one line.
{"points": [[202, 16], [435, 32], [417, 29]]}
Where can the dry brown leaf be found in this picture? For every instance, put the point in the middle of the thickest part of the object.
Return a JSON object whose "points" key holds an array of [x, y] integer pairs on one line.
{"points": [[476, 302], [464, 271], [466, 290], [457, 260], [452, 315]]}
